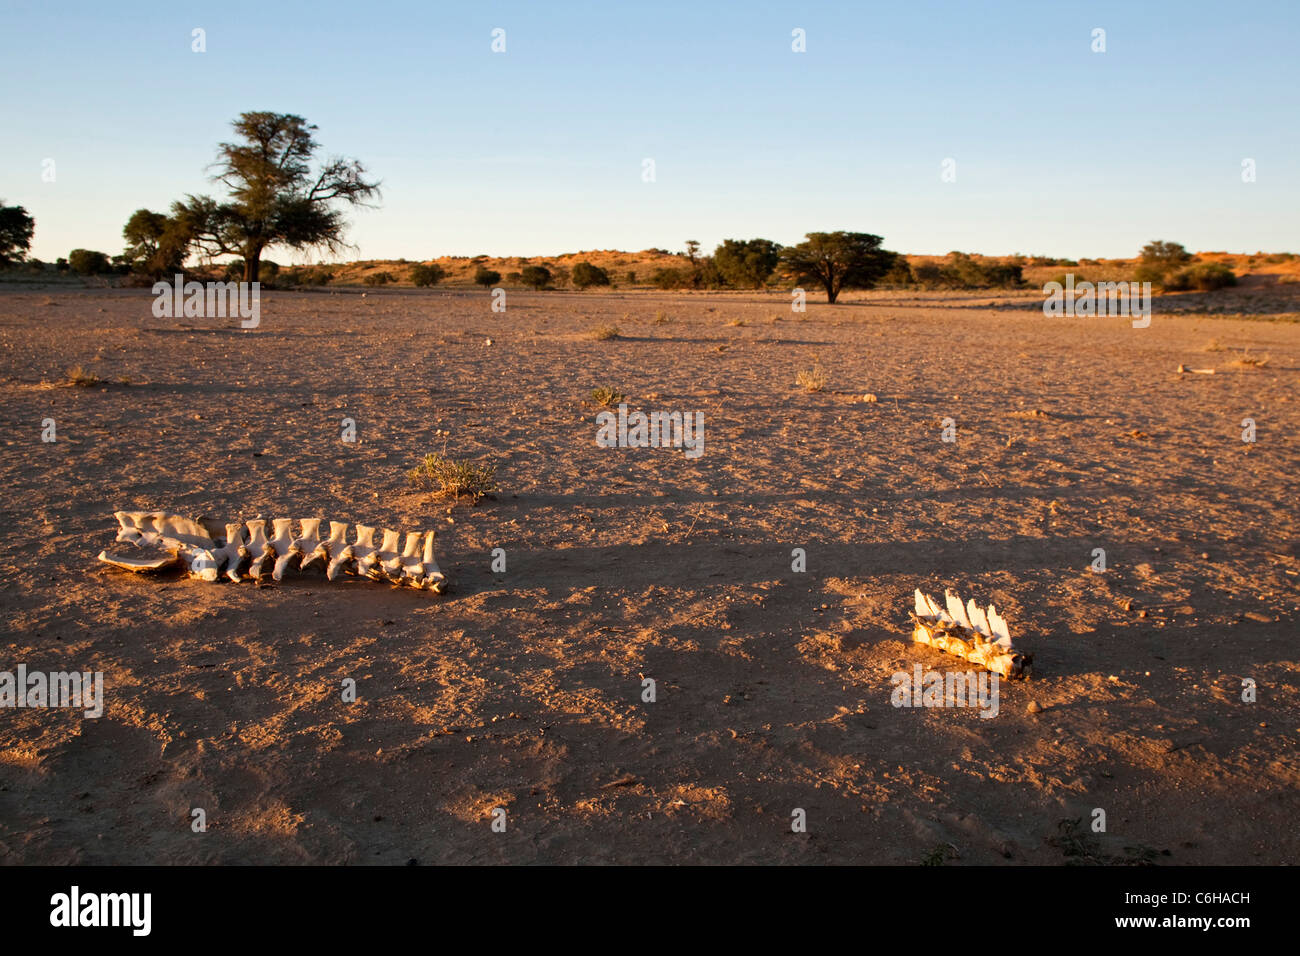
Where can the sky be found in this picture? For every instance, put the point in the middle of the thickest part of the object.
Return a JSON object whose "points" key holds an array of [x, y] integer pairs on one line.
{"points": [[541, 149]]}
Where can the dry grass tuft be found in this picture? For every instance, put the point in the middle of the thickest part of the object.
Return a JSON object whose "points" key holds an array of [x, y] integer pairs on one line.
{"points": [[80, 378], [608, 397], [603, 333]]}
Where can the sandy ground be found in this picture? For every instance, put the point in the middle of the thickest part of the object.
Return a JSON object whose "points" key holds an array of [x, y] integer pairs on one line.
{"points": [[523, 690]]}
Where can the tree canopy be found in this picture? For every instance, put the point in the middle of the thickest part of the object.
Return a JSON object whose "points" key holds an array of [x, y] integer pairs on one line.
{"points": [[16, 229], [838, 260], [275, 198], [747, 263]]}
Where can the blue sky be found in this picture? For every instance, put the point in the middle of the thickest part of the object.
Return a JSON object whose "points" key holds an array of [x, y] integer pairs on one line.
{"points": [[539, 150]]}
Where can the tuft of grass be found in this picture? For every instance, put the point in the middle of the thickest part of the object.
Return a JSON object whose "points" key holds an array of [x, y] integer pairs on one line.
{"points": [[447, 478], [608, 397], [1246, 360], [80, 378], [661, 318], [812, 379], [603, 333], [738, 323]]}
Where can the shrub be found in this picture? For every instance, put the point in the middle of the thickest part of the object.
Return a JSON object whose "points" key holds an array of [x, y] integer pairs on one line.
{"points": [[1209, 276], [79, 377], [378, 278], [603, 333], [631, 277], [746, 263], [424, 276], [87, 262], [485, 277], [812, 379], [453, 479], [539, 277], [608, 397], [515, 278], [899, 275], [671, 278], [586, 275]]}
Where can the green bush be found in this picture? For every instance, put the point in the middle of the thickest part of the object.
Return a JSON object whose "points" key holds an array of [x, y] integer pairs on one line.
{"points": [[87, 262], [539, 277], [424, 276], [378, 278], [586, 275], [485, 277]]}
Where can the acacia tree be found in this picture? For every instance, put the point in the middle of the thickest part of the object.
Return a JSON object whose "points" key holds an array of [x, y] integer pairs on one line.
{"points": [[836, 260], [16, 228], [156, 244], [275, 199]]}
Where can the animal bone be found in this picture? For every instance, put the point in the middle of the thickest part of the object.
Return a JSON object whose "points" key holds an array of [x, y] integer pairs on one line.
{"points": [[338, 549], [309, 544], [363, 551], [259, 549], [974, 635], [158, 540], [390, 559], [282, 545], [161, 540]]}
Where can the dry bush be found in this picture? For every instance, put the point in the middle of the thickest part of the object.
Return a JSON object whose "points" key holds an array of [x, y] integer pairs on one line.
{"points": [[603, 333], [812, 379], [453, 479]]}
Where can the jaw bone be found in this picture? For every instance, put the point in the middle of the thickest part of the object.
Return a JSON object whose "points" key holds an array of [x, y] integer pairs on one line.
{"points": [[971, 634]]}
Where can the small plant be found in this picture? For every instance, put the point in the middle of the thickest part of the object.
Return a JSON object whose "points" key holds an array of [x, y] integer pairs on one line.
{"points": [[661, 318], [80, 378], [453, 479], [424, 276], [603, 333], [737, 323], [812, 379], [606, 396], [379, 278]]}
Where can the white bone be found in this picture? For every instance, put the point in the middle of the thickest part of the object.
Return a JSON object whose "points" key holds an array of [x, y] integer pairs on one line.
{"points": [[980, 637], [232, 553], [363, 550], [338, 549], [955, 609], [998, 628], [259, 549], [390, 558], [282, 545], [434, 579], [160, 539], [309, 544]]}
